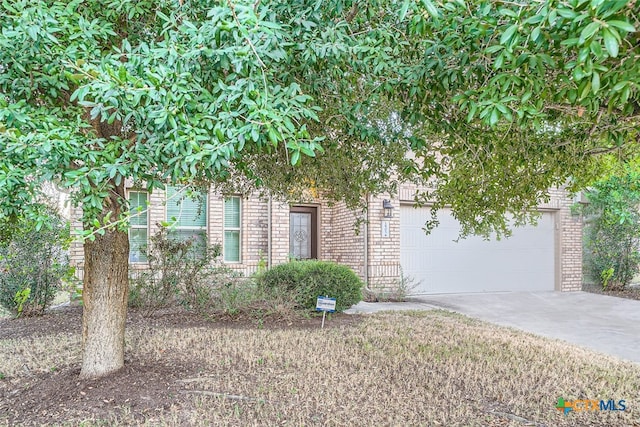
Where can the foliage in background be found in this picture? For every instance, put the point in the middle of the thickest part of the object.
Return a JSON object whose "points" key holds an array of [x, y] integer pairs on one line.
{"points": [[34, 264], [612, 232], [179, 271], [306, 280], [188, 273]]}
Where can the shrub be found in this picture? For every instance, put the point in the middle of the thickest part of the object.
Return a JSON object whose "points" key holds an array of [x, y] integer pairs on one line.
{"points": [[612, 233], [611, 258], [306, 280], [182, 272], [397, 292], [33, 264]]}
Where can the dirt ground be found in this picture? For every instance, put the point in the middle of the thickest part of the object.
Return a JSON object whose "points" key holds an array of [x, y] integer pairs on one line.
{"points": [[630, 292], [144, 386]]}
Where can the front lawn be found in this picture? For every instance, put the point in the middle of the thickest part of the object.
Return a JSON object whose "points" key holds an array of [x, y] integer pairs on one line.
{"points": [[418, 368]]}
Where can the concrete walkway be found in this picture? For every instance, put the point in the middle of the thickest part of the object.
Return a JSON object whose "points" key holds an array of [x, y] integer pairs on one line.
{"points": [[606, 324]]}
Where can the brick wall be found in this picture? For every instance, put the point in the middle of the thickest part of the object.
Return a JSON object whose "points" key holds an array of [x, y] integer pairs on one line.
{"points": [[343, 238], [340, 240], [279, 232], [568, 243], [383, 252]]}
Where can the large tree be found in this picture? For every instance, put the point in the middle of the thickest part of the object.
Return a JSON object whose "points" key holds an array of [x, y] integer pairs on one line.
{"points": [[497, 100]]}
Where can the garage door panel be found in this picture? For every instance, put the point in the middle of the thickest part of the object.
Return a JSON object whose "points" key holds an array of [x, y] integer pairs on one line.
{"points": [[525, 261]]}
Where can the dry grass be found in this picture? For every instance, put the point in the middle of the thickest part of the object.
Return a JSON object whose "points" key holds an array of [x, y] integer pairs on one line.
{"points": [[423, 368]]}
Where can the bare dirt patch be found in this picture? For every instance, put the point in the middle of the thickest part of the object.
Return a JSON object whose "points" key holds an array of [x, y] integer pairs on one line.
{"points": [[630, 292], [422, 368]]}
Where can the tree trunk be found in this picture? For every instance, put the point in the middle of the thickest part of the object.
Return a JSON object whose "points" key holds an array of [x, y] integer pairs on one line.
{"points": [[105, 296]]}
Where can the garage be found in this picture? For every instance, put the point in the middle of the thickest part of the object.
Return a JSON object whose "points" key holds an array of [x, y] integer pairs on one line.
{"points": [[438, 264]]}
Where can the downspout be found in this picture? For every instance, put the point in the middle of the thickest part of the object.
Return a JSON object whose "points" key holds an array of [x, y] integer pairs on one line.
{"points": [[269, 233], [366, 246]]}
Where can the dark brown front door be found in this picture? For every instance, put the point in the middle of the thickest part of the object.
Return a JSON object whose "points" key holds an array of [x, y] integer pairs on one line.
{"points": [[303, 232]]}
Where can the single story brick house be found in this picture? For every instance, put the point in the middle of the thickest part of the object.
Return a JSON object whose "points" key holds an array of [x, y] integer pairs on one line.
{"points": [[257, 231]]}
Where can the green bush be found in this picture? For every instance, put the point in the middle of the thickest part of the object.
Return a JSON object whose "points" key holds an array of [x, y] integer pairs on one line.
{"points": [[179, 272], [176, 269], [611, 256], [612, 231], [33, 264], [306, 280]]}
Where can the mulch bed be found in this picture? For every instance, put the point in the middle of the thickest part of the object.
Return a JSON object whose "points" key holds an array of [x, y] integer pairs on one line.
{"points": [[631, 292]]}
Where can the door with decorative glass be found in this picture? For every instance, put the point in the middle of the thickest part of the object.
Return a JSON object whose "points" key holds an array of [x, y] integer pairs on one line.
{"points": [[303, 232]]}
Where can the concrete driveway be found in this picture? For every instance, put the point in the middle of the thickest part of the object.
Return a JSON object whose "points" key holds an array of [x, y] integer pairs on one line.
{"points": [[606, 324]]}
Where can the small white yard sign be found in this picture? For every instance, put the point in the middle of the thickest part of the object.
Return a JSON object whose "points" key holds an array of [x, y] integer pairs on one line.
{"points": [[325, 304]]}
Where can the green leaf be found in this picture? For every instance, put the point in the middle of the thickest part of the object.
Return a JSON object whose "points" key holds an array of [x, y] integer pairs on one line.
{"points": [[472, 112], [219, 134], [588, 32], [295, 157], [535, 34], [622, 25], [585, 90], [273, 136], [404, 9], [32, 31], [610, 42], [433, 11], [122, 73], [619, 86], [595, 82], [508, 34], [495, 116], [566, 13]]}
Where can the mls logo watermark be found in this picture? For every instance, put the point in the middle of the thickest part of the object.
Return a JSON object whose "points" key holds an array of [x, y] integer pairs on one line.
{"points": [[583, 405]]}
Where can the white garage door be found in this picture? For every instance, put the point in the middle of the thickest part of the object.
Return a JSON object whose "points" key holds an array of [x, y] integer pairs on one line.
{"points": [[523, 262]]}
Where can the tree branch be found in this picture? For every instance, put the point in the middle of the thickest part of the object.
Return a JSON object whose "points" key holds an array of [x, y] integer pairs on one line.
{"points": [[353, 12], [251, 45]]}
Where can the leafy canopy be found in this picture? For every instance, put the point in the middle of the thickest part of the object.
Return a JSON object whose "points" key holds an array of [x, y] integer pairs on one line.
{"points": [[497, 100]]}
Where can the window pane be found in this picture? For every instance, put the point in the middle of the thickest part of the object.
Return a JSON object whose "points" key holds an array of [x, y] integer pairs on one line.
{"points": [[137, 206], [182, 234], [199, 237], [137, 244], [232, 212], [232, 246], [187, 211]]}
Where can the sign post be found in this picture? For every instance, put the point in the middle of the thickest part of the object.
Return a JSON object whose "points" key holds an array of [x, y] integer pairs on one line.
{"points": [[325, 304]]}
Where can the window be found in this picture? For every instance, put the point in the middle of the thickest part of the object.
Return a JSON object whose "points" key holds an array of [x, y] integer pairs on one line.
{"points": [[187, 211], [231, 246], [138, 226]]}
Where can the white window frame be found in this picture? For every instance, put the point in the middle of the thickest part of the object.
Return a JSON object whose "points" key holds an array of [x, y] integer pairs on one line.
{"points": [[237, 229], [132, 226]]}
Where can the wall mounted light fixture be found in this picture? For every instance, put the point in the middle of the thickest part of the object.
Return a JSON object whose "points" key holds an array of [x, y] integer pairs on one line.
{"points": [[388, 208]]}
